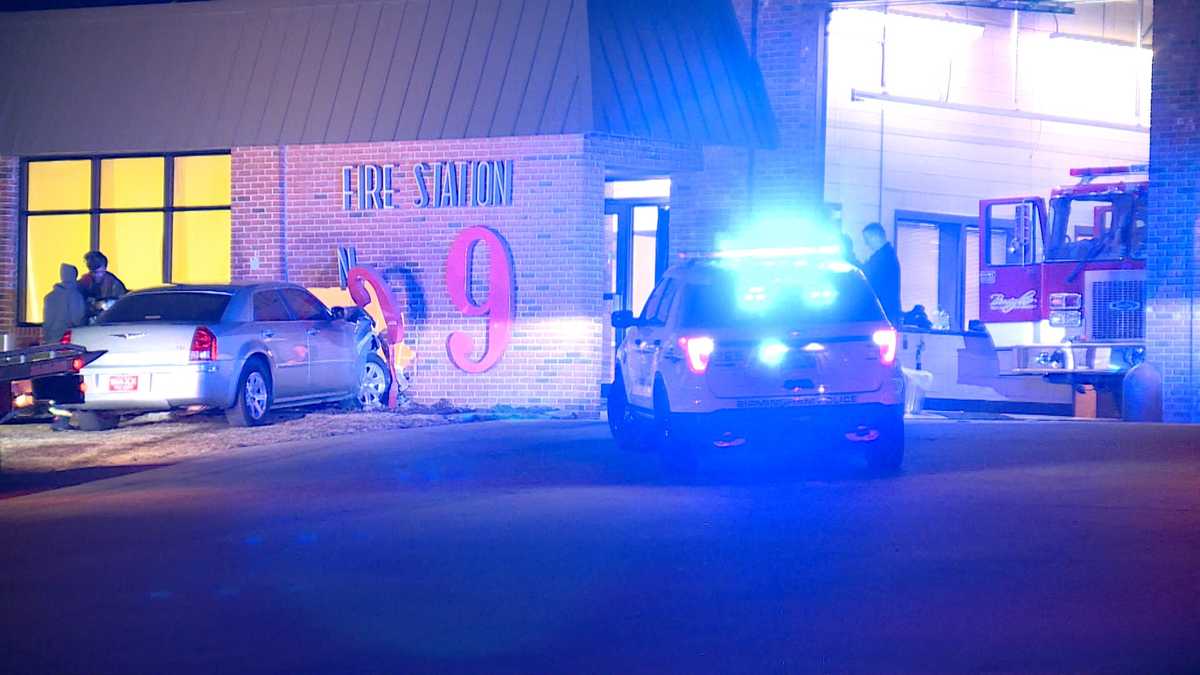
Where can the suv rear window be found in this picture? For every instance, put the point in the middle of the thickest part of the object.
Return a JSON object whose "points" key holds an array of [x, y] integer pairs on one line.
{"points": [[169, 307], [732, 301]]}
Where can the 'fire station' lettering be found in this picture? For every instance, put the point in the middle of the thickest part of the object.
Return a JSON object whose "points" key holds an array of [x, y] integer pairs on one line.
{"points": [[448, 184]]}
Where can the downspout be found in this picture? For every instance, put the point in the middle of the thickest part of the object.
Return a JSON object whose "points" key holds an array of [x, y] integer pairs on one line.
{"points": [[1137, 102], [283, 224], [750, 154], [882, 134], [823, 111]]}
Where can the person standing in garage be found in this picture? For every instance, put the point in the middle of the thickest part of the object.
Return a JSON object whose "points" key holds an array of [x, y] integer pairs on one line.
{"points": [[64, 307], [883, 270]]}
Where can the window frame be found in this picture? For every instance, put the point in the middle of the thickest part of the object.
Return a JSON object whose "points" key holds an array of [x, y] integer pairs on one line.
{"points": [[167, 210], [287, 309], [326, 316]]}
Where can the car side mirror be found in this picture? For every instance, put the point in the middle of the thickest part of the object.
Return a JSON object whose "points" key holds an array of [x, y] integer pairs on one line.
{"points": [[338, 312], [623, 319]]}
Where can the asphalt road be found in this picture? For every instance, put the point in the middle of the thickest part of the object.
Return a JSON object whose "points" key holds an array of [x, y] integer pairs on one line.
{"points": [[537, 547]]}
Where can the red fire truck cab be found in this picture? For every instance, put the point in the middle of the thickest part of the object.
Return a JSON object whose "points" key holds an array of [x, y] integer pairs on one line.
{"points": [[1062, 285]]}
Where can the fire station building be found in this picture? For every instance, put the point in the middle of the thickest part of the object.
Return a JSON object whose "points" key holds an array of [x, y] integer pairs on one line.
{"points": [[518, 169]]}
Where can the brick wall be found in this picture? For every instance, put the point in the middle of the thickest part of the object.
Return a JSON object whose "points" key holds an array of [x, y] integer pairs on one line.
{"points": [[288, 220], [8, 243], [258, 228], [790, 46], [733, 186], [1173, 275]]}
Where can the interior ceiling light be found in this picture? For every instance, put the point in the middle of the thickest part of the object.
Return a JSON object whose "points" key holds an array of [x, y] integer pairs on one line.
{"points": [[1049, 6]]}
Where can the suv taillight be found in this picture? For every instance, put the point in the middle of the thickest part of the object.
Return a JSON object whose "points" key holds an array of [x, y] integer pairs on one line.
{"points": [[204, 345], [885, 339], [698, 351], [66, 338]]}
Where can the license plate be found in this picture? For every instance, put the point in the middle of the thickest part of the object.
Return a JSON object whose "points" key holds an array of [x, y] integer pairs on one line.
{"points": [[123, 383], [801, 360]]}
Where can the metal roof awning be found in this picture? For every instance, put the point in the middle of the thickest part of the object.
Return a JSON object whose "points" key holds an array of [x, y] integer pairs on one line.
{"points": [[188, 76]]}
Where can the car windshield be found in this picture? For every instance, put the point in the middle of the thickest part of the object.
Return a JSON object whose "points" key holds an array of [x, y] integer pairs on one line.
{"points": [[168, 307], [1096, 229], [765, 297]]}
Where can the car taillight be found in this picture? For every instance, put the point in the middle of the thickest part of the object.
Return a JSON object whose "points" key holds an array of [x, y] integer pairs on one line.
{"points": [[66, 338], [885, 339], [204, 345], [698, 351]]}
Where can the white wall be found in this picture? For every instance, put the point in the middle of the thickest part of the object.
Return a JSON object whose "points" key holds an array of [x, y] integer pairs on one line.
{"points": [[886, 156]]}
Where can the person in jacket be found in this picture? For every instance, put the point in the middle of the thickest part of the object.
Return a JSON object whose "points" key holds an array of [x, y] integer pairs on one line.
{"points": [[882, 269], [99, 285], [64, 307]]}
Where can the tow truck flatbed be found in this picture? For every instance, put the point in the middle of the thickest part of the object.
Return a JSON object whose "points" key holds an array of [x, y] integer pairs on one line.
{"points": [[37, 365]]}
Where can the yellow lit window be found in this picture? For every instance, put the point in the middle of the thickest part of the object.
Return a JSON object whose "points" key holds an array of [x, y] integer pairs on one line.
{"points": [[202, 180], [133, 243], [64, 185], [131, 183], [126, 220], [200, 247], [49, 242]]}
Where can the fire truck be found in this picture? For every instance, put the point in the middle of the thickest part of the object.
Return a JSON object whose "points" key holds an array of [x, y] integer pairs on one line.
{"points": [[1062, 286], [1061, 302]]}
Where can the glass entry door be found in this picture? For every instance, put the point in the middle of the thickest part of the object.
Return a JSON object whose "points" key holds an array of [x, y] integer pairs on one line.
{"points": [[638, 243]]}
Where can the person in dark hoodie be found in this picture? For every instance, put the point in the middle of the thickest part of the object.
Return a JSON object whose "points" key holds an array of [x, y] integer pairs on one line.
{"points": [[99, 285], [882, 269], [63, 307]]}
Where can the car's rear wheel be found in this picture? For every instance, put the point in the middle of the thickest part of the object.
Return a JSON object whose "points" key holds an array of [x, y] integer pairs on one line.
{"points": [[374, 383], [885, 454], [621, 420], [254, 398], [677, 455], [88, 420]]}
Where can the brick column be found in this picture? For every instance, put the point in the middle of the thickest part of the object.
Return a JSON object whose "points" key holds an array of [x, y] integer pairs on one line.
{"points": [[790, 49], [257, 214], [9, 191], [1173, 250], [787, 38]]}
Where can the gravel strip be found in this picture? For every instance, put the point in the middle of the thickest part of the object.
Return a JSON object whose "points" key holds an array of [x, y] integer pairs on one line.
{"points": [[165, 439]]}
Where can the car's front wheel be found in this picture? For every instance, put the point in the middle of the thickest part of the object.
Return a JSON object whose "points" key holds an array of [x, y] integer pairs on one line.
{"points": [[254, 397], [374, 383]]}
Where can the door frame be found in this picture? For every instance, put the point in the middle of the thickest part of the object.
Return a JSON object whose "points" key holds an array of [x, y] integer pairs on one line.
{"points": [[623, 263], [623, 210], [951, 263]]}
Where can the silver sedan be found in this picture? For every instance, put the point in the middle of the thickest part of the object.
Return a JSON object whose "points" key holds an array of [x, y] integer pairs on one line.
{"points": [[244, 349]]}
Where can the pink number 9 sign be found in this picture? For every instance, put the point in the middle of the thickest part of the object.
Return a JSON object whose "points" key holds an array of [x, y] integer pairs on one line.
{"points": [[497, 308]]}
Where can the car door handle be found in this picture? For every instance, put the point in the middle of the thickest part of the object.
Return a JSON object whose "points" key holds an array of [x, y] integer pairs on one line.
{"points": [[268, 333], [312, 331]]}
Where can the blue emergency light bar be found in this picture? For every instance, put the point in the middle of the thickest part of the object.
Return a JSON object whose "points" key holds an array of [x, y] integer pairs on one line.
{"points": [[785, 252]]}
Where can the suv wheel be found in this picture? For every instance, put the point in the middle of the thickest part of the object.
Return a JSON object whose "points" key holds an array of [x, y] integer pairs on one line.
{"points": [[621, 421], [677, 455], [254, 397], [885, 455], [88, 420]]}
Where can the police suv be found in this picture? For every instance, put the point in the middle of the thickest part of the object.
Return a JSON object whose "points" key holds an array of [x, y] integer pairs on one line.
{"points": [[787, 345]]}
